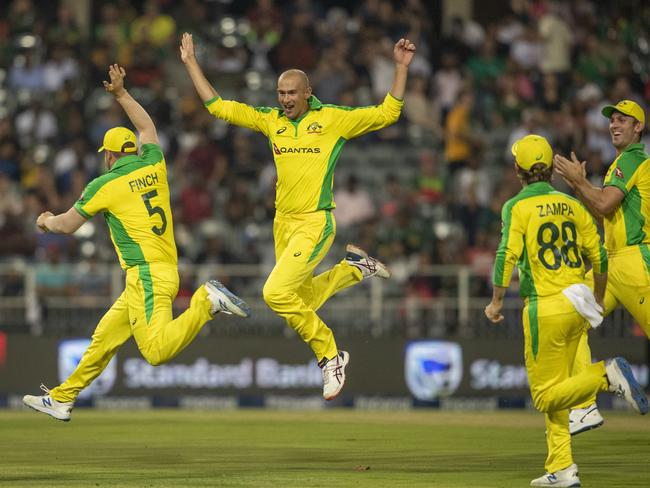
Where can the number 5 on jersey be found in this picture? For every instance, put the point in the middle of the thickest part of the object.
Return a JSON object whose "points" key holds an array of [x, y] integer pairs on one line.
{"points": [[155, 210]]}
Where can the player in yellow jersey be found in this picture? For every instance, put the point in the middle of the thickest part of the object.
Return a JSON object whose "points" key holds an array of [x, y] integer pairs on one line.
{"points": [[623, 203], [306, 137], [133, 196], [548, 235]]}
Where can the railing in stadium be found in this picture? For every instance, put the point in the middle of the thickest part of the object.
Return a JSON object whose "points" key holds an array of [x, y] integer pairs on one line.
{"points": [[70, 299]]}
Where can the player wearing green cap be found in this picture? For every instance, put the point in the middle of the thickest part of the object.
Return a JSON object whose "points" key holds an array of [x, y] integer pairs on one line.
{"points": [[623, 203], [548, 235], [133, 196]]}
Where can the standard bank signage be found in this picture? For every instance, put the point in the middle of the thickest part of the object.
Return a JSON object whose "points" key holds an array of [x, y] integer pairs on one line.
{"points": [[433, 368]]}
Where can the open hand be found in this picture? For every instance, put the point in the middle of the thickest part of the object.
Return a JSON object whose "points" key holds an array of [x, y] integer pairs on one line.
{"points": [[187, 48], [572, 171], [116, 74], [403, 52]]}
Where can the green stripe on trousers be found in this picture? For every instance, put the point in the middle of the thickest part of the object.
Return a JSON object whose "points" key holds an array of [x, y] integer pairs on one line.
{"points": [[534, 327], [329, 228], [147, 284]]}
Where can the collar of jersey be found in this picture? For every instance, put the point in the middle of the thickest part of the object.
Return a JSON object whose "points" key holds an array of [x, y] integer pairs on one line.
{"points": [[314, 104], [637, 146], [123, 161], [538, 188]]}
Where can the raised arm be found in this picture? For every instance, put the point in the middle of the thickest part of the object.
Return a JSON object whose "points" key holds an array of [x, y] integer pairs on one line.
{"points": [[136, 113], [403, 54], [203, 87]]}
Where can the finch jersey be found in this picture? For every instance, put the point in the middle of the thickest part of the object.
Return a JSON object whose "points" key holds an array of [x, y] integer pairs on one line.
{"points": [[134, 198]]}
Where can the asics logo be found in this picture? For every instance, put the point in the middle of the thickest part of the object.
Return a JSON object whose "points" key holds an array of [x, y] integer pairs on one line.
{"points": [[338, 373], [296, 254], [280, 131]]}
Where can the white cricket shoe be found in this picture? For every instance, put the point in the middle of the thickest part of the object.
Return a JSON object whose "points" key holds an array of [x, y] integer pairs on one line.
{"points": [[225, 301], [355, 256], [623, 384], [334, 375], [47, 404], [584, 419], [565, 478]]}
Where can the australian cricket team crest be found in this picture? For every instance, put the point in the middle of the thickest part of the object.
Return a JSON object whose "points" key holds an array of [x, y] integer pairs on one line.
{"points": [[314, 128]]}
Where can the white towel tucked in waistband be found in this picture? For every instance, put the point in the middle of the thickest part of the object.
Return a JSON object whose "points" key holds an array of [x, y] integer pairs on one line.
{"points": [[585, 304]]}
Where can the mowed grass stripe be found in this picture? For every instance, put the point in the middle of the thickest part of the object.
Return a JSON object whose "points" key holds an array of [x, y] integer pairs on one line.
{"points": [[261, 448]]}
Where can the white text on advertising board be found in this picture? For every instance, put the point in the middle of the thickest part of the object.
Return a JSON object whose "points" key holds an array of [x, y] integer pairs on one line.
{"points": [[262, 373]]}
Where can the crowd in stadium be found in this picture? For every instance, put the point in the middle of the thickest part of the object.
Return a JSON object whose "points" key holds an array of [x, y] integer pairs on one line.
{"points": [[426, 191]]}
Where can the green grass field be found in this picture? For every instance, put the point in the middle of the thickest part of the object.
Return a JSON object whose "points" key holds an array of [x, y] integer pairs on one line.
{"points": [[333, 448]]}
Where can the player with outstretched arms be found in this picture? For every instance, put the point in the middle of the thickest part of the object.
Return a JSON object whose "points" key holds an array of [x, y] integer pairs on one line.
{"points": [[306, 137]]}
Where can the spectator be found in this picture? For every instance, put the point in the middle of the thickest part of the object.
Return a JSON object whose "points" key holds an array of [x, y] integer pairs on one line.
{"points": [[196, 201], [36, 124], [447, 84], [421, 110], [459, 140], [153, 27], [429, 185], [557, 40], [59, 68], [27, 73], [354, 204]]}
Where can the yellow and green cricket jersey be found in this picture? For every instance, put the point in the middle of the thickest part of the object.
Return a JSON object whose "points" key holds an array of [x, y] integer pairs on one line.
{"points": [[547, 234], [627, 225], [134, 198], [307, 149]]}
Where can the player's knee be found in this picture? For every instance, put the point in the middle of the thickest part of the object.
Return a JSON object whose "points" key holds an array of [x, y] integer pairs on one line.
{"points": [[152, 357], [541, 403], [274, 299]]}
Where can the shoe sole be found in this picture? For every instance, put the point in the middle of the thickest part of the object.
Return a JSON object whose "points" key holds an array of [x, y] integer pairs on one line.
{"points": [[50, 414], [382, 270], [622, 368], [560, 484], [346, 360], [236, 305], [574, 485], [588, 427]]}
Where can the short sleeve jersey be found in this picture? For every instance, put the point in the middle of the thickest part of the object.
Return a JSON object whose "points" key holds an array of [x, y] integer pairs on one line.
{"points": [[547, 234], [629, 223], [307, 149], [133, 196]]}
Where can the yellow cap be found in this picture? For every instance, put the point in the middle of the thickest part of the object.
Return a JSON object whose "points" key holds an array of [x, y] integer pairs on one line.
{"points": [[119, 139], [627, 107], [531, 150]]}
